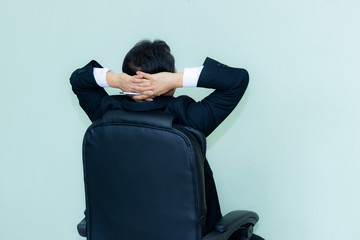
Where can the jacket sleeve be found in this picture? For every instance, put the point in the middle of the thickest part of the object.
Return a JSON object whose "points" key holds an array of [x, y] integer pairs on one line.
{"points": [[229, 84], [89, 93]]}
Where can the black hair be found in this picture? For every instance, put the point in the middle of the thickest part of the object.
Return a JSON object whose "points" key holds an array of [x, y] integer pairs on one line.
{"points": [[149, 57]]}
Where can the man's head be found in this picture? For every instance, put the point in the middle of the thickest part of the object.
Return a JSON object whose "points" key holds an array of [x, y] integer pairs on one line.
{"points": [[149, 57]]}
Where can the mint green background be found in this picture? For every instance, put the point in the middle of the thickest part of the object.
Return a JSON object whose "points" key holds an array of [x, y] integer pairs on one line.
{"points": [[290, 151]]}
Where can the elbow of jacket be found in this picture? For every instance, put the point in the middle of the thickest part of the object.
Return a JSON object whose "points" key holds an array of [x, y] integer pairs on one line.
{"points": [[72, 82], [246, 78], [73, 79], [242, 80]]}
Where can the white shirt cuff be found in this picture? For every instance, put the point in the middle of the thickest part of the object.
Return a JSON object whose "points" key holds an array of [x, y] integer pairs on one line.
{"points": [[100, 76], [191, 76]]}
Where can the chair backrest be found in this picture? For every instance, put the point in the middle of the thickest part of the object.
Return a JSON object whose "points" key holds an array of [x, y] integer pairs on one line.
{"points": [[144, 178]]}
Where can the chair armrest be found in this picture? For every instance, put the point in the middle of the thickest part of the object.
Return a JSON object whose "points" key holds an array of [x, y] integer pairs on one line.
{"points": [[231, 222], [81, 227], [236, 219]]}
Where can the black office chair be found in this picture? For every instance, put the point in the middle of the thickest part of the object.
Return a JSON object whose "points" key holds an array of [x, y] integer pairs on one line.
{"points": [[144, 179]]}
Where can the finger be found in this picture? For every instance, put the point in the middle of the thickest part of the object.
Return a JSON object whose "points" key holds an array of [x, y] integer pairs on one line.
{"points": [[144, 84], [140, 97], [138, 80], [141, 82], [141, 89], [145, 75], [147, 93], [136, 98], [144, 95], [138, 76]]}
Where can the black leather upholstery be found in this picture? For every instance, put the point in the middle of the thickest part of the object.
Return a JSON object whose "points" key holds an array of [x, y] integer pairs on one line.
{"points": [[231, 219], [144, 179], [155, 119], [81, 227]]}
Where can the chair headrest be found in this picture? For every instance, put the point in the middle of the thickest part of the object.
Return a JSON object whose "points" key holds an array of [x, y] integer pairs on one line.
{"points": [[156, 119]]}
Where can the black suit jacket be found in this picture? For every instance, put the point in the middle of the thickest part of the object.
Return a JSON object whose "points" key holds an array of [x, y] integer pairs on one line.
{"points": [[229, 84]]}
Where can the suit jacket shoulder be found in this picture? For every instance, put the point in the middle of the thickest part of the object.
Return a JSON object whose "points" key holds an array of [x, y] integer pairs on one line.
{"points": [[229, 86]]}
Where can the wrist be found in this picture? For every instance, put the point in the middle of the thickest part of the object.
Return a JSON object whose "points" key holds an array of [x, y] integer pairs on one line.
{"points": [[115, 80], [178, 83], [110, 79]]}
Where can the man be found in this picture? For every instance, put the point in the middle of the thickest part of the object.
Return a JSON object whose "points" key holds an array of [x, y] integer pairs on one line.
{"points": [[149, 69]]}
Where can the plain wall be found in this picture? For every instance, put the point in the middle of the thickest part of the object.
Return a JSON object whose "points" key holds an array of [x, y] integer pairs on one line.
{"points": [[290, 151]]}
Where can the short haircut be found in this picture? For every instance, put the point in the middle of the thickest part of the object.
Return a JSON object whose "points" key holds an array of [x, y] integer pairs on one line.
{"points": [[149, 57]]}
